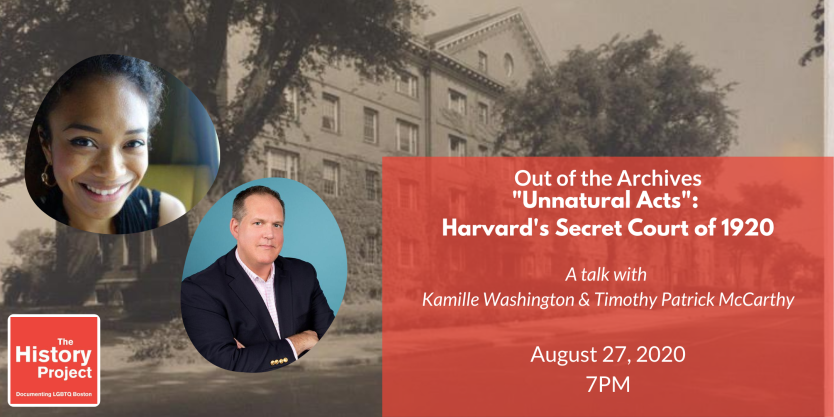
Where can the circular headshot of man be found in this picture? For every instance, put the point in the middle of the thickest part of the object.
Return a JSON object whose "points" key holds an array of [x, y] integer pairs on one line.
{"points": [[252, 307]]}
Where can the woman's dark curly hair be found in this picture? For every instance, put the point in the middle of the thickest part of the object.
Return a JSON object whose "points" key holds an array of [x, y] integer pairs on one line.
{"points": [[141, 73], [147, 78]]}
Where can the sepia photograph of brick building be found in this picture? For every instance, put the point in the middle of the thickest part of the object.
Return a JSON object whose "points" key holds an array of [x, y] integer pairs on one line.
{"points": [[442, 104], [448, 97]]}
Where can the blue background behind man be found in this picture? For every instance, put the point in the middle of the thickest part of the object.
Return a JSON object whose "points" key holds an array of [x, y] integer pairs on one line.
{"points": [[244, 312]]}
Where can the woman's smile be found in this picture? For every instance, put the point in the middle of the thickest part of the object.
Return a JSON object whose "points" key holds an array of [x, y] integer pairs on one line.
{"points": [[105, 194]]}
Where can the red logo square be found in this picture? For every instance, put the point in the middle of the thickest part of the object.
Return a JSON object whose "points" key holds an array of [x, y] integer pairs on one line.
{"points": [[54, 360]]}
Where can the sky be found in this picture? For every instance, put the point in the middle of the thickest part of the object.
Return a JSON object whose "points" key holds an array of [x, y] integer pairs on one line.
{"points": [[755, 43]]}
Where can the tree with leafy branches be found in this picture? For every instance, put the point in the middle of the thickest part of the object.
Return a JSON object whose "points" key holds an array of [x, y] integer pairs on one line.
{"points": [[17, 285], [35, 249], [628, 97], [818, 49], [40, 39], [757, 201], [625, 98]]}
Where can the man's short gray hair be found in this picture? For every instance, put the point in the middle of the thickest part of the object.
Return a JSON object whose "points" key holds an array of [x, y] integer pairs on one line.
{"points": [[239, 205]]}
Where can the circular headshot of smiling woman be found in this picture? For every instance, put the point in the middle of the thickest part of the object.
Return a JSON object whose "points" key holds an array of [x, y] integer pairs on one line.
{"points": [[99, 159]]}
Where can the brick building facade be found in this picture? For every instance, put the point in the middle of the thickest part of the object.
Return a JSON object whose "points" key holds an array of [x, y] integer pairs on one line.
{"points": [[441, 105]]}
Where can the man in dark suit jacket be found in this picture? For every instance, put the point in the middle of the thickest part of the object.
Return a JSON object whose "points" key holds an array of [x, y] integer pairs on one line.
{"points": [[252, 310]]}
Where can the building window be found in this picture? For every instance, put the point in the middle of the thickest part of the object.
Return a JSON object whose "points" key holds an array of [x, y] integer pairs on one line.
{"points": [[509, 66], [457, 102], [528, 265], [281, 164], [371, 249], [507, 212], [408, 194], [407, 137], [330, 115], [509, 265], [457, 203], [371, 126], [407, 250], [545, 265], [457, 146], [483, 152], [331, 178], [373, 191], [482, 61], [291, 103], [406, 83], [508, 165], [483, 113], [456, 258]]}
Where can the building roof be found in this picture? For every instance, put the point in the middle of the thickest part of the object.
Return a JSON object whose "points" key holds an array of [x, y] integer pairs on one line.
{"points": [[445, 39], [443, 34]]}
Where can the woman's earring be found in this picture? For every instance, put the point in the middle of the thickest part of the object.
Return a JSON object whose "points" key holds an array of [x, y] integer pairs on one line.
{"points": [[45, 177]]}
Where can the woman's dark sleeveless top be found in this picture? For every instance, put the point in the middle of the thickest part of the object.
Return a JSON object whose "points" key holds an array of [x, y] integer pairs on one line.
{"points": [[140, 212]]}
